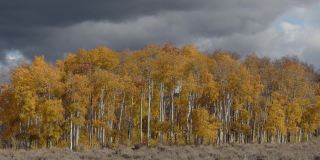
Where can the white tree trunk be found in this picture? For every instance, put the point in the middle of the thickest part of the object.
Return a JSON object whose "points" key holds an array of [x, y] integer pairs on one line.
{"points": [[130, 122], [149, 113], [161, 111], [188, 117], [121, 112], [71, 139], [172, 117], [141, 125]]}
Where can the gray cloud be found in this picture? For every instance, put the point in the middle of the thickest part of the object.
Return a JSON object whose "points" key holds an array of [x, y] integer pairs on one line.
{"points": [[60, 13], [10, 59], [54, 28]]}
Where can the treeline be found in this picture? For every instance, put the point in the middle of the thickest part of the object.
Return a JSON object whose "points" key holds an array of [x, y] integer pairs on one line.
{"points": [[158, 95]]}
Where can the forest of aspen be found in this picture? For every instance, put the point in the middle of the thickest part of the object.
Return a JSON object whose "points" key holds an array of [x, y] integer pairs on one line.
{"points": [[158, 95]]}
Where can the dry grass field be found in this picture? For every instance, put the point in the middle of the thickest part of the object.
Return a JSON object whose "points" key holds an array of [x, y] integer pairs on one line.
{"points": [[304, 151]]}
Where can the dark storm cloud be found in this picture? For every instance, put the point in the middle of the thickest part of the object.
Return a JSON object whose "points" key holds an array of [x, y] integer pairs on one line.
{"points": [[23, 23], [55, 27], [312, 55], [66, 12]]}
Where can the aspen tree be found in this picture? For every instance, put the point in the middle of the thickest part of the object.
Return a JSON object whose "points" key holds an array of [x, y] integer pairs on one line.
{"points": [[9, 114], [49, 104], [76, 93], [159, 94], [26, 98]]}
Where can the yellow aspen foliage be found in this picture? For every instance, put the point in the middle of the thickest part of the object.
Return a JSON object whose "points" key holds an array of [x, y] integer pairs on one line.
{"points": [[276, 115], [160, 94], [25, 92], [294, 115], [9, 113], [52, 118], [104, 58], [311, 117], [205, 126]]}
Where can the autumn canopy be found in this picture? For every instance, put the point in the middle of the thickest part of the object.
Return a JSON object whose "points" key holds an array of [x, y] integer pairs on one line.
{"points": [[160, 94]]}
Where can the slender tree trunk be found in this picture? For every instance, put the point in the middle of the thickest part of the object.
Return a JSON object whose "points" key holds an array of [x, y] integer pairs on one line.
{"points": [[71, 134], [91, 121], [121, 112], [172, 117], [149, 113], [299, 136], [130, 122], [77, 135], [100, 117], [111, 120], [103, 136], [161, 112], [49, 143], [188, 118], [141, 118]]}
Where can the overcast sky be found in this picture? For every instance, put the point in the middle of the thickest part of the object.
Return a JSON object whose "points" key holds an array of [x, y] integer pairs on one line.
{"points": [[53, 28]]}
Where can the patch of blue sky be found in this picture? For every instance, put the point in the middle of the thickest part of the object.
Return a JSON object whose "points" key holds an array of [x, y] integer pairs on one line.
{"points": [[13, 55], [288, 19]]}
